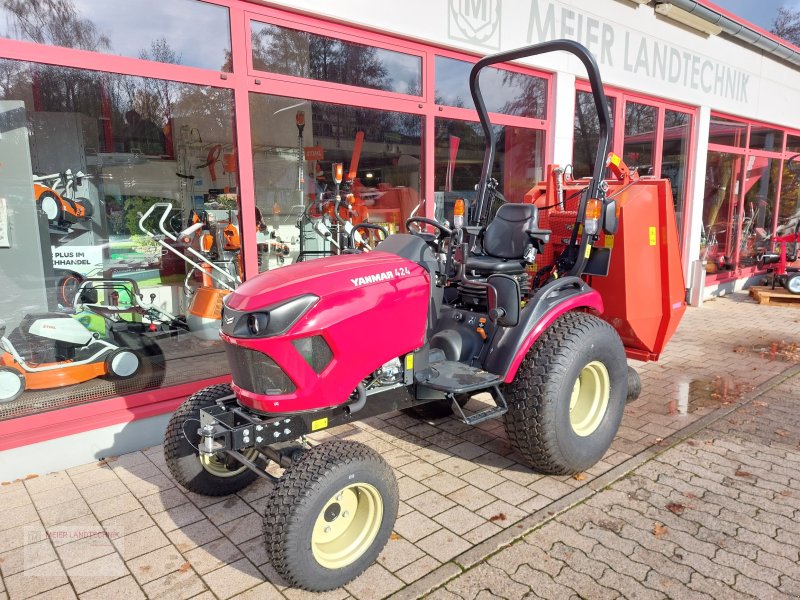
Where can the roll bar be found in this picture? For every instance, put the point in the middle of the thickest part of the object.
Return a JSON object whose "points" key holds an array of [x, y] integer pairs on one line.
{"points": [[600, 104]]}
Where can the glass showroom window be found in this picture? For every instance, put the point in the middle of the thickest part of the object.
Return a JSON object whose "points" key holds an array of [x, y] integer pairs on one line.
{"points": [[459, 144], [586, 133], [789, 207], [743, 174], [506, 92], [518, 163], [297, 142], [655, 139], [720, 205], [121, 232], [300, 53], [146, 29], [760, 191], [638, 149], [675, 157]]}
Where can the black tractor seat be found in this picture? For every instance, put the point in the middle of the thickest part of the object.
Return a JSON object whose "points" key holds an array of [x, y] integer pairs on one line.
{"points": [[507, 239], [489, 264]]}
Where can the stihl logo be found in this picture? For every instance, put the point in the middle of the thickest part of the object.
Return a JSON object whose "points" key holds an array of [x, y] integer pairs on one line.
{"points": [[385, 276]]}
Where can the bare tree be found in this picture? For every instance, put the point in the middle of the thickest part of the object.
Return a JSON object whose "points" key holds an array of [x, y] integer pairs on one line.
{"points": [[55, 22], [787, 25]]}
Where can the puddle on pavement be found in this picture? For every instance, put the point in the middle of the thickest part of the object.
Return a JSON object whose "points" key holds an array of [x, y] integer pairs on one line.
{"points": [[772, 351], [706, 393]]}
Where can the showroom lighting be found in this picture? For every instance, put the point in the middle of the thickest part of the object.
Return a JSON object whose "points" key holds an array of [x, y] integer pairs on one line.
{"points": [[369, 175], [678, 14]]}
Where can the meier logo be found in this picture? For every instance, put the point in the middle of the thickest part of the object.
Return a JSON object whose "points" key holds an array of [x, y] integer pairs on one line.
{"points": [[475, 21]]}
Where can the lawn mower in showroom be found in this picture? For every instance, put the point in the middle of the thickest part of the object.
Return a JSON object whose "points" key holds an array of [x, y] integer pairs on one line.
{"points": [[51, 350], [116, 309], [457, 313], [783, 251], [212, 247], [60, 209]]}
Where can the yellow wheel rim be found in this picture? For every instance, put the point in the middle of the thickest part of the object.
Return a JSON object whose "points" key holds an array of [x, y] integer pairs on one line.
{"points": [[216, 464], [347, 526], [589, 400]]}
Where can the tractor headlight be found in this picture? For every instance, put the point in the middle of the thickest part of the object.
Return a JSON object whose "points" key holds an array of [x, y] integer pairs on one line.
{"points": [[271, 321], [257, 323]]}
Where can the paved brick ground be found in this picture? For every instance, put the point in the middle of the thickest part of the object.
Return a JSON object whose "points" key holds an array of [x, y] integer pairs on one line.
{"points": [[122, 528], [713, 517]]}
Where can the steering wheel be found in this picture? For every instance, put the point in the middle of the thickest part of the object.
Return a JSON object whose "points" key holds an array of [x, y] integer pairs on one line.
{"points": [[443, 231], [436, 240]]}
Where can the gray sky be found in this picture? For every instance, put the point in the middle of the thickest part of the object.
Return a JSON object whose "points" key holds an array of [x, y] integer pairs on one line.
{"points": [[758, 12]]}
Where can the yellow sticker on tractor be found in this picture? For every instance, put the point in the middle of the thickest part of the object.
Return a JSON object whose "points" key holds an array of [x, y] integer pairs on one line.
{"points": [[409, 362], [588, 251], [318, 424], [652, 236], [609, 241]]}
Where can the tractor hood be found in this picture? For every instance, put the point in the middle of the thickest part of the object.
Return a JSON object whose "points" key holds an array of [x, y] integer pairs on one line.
{"points": [[303, 337], [321, 277]]}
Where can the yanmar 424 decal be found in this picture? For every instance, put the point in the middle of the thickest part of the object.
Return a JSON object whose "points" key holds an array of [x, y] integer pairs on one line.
{"points": [[384, 276]]}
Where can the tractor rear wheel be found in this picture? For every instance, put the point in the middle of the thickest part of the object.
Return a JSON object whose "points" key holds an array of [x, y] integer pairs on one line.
{"points": [[634, 385], [330, 515], [566, 401], [210, 475]]}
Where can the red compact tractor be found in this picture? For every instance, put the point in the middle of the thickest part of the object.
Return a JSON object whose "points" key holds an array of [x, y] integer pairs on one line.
{"points": [[537, 303]]}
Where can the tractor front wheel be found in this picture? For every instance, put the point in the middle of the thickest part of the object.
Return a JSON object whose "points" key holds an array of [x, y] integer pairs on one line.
{"points": [[566, 401], [210, 475], [330, 515]]}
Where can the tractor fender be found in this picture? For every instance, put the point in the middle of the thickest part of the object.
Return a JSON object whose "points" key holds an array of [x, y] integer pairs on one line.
{"points": [[511, 344]]}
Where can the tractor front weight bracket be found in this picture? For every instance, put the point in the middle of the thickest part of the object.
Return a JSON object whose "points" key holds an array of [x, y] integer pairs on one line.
{"points": [[226, 427]]}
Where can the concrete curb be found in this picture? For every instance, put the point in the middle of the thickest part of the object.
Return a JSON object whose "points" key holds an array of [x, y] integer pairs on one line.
{"points": [[500, 540]]}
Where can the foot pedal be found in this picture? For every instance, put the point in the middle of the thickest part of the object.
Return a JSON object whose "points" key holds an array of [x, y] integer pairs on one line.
{"points": [[453, 377], [484, 415]]}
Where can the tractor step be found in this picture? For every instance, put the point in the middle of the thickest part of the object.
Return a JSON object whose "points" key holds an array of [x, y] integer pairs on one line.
{"points": [[499, 410], [454, 377]]}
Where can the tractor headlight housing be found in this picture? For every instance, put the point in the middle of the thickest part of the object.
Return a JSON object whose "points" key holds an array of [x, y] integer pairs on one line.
{"points": [[271, 321]]}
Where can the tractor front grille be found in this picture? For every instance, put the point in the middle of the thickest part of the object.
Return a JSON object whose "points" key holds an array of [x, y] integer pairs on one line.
{"points": [[256, 372]]}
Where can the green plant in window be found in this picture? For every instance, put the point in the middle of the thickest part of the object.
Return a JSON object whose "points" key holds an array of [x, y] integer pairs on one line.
{"points": [[135, 207]]}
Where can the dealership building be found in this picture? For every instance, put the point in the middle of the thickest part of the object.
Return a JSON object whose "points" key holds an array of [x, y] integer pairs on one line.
{"points": [[151, 151]]}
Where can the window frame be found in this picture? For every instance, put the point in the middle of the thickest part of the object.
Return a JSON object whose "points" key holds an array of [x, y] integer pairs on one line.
{"points": [[746, 152], [243, 80], [621, 99], [324, 28]]}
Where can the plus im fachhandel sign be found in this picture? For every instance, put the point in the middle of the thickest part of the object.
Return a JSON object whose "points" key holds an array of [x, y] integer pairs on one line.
{"points": [[618, 47]]}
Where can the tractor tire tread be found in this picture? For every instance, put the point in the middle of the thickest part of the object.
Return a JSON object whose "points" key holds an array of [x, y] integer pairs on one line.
{"points": [[298, 486], [529, 426], [172, 440], [634, 384]]}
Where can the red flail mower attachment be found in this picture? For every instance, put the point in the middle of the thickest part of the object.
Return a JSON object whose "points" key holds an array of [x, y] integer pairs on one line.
{"points": [[644, 290]]}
